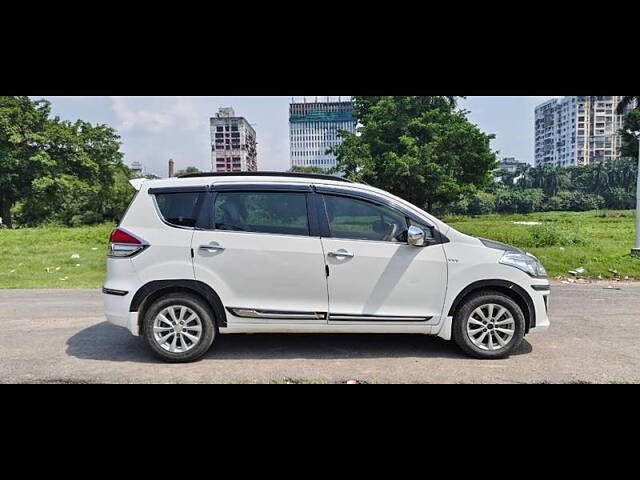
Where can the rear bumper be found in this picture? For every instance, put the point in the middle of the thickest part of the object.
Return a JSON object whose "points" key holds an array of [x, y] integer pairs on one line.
{"points": [[116, 310]]}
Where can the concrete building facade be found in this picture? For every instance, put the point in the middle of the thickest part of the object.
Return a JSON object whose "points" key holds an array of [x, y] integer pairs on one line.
{"points": [[233, 143], [577, 130], [313, 129]]}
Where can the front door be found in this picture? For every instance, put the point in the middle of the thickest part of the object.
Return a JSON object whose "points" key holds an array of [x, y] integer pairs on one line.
{"points": [[260, 257], [374, 275]]}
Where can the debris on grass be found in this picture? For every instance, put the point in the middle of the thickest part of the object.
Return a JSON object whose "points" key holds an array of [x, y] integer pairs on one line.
{"points": [[75, 256], [64, 279], [577, 271], [527, 223], [94, 248]]}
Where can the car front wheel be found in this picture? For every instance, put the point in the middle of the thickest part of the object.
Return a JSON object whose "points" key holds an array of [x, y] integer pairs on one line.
{"points": [[489, 324]]}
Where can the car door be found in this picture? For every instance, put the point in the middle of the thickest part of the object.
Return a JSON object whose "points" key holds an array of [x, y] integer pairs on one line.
{"points": [[261, 253], [374, 274]]}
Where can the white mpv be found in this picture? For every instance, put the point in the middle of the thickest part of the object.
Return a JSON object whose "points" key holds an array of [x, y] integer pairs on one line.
{"points": [[210, 254]]}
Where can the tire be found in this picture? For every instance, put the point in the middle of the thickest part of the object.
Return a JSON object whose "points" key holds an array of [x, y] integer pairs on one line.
{"points": [[160, 325], [480, 337]]}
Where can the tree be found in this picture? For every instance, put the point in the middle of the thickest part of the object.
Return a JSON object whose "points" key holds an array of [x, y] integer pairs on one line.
{"points": [[419, 148], [22, 123], [187, 171], [71, 173], [630, 107], [307, 170], [82, 179]]}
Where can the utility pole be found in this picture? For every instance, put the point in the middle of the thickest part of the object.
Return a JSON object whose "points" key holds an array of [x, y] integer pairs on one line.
{"points": [[636, 249]]}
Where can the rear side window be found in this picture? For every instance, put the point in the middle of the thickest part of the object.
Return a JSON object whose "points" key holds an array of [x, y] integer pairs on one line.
{"points": [[179, 209], [262, 212]]}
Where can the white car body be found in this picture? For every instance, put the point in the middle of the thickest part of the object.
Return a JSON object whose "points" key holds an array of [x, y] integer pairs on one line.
{"points": [[270, 282]]}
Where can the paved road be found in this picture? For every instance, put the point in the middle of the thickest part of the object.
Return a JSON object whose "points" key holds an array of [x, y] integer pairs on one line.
{"points": [[60, 336]]}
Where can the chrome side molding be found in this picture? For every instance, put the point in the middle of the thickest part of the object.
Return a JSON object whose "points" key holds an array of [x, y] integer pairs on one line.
{"points": [[275, 314], [375, 318], [282, 315]]}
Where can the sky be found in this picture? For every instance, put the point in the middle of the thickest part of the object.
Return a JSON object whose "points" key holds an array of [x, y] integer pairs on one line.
{"points": [[155, 129]]}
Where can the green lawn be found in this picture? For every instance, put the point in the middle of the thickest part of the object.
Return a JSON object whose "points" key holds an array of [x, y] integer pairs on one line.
{"points": [[598, 241], [41, 257]]}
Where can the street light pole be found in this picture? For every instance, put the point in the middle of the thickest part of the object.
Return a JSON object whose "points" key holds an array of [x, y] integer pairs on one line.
{"points": [[636, 249]]}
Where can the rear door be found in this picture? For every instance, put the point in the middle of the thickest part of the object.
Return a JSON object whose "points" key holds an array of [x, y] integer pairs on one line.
{"points": [[374, 274], [260, 251]]}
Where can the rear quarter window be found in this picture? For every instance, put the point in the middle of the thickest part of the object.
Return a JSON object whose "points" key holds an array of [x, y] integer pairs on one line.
{"points": [[179, 209]]}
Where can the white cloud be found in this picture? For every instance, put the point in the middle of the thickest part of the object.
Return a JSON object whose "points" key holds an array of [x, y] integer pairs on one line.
{"points": [[155, 114]]}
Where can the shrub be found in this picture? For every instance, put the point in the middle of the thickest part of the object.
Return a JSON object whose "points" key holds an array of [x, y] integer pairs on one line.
{"points": [[574, 201], [620, 199], [548, 236], [519, 201]]}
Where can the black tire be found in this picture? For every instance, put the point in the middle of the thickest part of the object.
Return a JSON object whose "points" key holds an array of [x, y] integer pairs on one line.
{"points": [[464, 312], [193, 302]]}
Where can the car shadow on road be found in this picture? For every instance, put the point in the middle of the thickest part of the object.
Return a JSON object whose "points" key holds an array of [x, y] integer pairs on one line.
{"points": [[108, 342]]}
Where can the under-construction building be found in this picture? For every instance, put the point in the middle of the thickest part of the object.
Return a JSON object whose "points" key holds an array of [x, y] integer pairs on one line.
{"points": [[233, 143]]}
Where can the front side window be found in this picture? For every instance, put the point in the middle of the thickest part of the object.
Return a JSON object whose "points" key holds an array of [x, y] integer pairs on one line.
{"points": [[179, 209], [362, 220], [262, 212]]}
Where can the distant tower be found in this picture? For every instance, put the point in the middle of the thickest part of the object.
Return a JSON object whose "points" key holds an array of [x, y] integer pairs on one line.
{"points": [[313, 129], [171, 167]]}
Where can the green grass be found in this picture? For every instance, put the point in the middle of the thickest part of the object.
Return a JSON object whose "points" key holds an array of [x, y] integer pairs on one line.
{"points": [[599, 240], [27, 253]]}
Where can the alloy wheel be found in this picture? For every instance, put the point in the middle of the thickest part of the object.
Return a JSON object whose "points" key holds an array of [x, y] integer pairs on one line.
{"points": [[491, 327]]}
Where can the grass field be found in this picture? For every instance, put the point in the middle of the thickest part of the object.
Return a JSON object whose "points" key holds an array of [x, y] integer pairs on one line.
{"points": [[41, 257], [598, 241]]}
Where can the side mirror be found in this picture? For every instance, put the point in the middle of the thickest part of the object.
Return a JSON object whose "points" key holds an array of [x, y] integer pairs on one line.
{"points": [[415, 236]]}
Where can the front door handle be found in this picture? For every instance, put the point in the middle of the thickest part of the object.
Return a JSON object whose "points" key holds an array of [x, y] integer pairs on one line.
{"points": [[212, 247], [341, 253]]}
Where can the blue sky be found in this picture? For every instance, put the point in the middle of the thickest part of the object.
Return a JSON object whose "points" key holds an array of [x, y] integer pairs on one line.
{"points": [[154, 129]]}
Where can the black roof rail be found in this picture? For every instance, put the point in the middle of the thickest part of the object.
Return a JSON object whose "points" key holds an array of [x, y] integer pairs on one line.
{"points": [[266, 174]]}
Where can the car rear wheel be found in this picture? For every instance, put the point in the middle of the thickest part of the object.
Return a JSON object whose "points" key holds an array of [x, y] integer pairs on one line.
{"points": [[179, 328], [489, 324]]}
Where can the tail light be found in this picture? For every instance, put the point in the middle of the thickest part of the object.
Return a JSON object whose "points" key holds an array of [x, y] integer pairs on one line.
{"points": [[125, 244]]}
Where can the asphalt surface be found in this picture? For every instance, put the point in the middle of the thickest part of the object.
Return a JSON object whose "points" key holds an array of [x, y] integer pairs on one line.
{"points": [[60, 336]]}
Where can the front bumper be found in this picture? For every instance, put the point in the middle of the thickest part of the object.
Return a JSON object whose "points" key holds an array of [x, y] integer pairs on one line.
{"points": [[541, 305]]}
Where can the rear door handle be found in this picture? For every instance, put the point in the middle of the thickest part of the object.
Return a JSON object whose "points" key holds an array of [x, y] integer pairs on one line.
{"points": [[212, 247], [341, 253]]}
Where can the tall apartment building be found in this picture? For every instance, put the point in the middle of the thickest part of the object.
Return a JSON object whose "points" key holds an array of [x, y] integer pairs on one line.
{"points": [[313, 128], [233, 143], [577, 131]]}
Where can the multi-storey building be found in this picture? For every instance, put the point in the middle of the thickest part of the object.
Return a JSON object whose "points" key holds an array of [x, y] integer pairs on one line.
{"points": [[577, 131], [510, 163], [313, 129], [233, 143]]}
